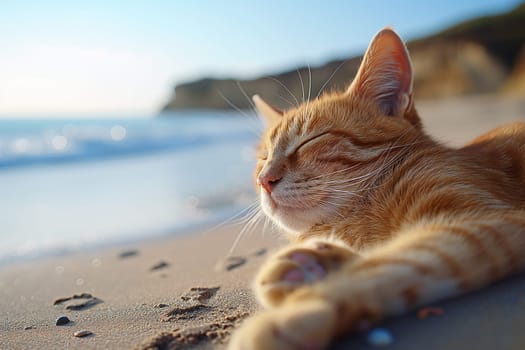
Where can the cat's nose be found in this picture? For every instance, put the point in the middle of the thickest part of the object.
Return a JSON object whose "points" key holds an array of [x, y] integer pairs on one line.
{"points": [[268, 181]]}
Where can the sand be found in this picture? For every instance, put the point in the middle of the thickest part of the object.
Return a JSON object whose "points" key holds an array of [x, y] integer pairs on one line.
{"points": [[182, 292], [196, 286]]}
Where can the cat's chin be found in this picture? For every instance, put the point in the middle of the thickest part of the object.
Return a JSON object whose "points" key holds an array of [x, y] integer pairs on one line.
{"points": [[292, 220]]}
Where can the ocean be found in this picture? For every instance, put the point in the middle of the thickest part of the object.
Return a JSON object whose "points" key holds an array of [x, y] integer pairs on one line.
{"points": [[68, 184]]}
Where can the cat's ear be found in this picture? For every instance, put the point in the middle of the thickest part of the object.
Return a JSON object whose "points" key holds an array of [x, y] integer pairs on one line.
{"points": [[385, 74], [270, 114]]}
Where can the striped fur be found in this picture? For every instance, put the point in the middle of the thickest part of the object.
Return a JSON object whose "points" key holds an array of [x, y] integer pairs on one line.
{"points": [[382, 218]]}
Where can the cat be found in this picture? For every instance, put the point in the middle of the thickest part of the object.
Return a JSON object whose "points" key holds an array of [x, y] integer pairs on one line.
{"points": [[382, 218]]}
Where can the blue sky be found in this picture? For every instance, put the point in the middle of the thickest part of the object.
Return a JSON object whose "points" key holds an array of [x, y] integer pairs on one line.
{"points": [[124, 57]]}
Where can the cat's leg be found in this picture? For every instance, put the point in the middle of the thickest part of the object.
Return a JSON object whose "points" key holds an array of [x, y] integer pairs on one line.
{"points": [[425, 264], [297, 265]]}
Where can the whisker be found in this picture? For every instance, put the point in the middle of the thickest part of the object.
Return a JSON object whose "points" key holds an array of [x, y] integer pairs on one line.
{"points": [[309, 83], [309, 91], [244, 215], [266, 222], [301, 80], [285, 88], [246, 95], [256, 130], [332, 207], [231, 104], [330, 78], [247, 227], [286, 100], [334, 172], [235, 218]]}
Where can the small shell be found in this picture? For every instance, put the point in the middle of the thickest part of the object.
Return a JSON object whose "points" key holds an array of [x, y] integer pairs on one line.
{"points": [[380, 337], [62, 320], [82, 333]]}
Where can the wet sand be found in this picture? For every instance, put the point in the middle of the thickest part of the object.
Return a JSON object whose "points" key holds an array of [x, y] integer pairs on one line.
{"points": [[183, 292]]}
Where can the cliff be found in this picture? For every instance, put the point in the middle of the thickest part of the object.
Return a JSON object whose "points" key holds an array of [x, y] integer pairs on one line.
{"points": [[482, 55]]}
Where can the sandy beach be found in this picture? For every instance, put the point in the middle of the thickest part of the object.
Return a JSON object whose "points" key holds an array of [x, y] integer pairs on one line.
{"points": [[140, 290], [184, 291]]}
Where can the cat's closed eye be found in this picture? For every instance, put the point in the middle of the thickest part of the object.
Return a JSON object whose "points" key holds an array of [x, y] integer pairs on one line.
{"points": [[324, 147], [311, 140]]}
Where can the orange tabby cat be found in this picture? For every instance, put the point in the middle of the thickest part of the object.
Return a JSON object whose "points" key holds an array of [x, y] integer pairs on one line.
{"points": [[383, 218]]}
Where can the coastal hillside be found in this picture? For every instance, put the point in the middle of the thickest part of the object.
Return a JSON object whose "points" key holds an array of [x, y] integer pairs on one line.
{"points": [[481, 55]]}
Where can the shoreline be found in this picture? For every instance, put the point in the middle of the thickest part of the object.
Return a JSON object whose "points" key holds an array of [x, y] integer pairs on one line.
{"points": [[217, 219]]}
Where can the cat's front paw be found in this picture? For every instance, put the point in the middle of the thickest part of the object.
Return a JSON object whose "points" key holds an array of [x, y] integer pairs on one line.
{"points": [[296, 266], [309, 326]]}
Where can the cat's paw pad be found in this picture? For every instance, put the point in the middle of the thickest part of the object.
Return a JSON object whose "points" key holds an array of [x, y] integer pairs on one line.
{"points": [[297, 266], [309, 326], [308, 269]]}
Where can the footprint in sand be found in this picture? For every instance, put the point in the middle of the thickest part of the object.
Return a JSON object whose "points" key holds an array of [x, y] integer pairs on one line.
{"points": [[217, 332], [200, 294], [191, 307], [160, 265], [128, 253], [233, 262], [78, 301], [193, 304]]}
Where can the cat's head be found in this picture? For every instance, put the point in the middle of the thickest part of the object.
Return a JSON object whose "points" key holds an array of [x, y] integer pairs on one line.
{"points": [[317, 161]]}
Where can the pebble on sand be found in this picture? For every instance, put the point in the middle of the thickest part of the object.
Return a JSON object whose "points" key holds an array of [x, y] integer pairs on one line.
{"points": [[62, 320], [380, 337], [82, 333]]}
